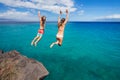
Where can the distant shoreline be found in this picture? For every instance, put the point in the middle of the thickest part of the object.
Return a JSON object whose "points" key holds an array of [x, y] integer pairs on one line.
{"points": [[56, 21]]}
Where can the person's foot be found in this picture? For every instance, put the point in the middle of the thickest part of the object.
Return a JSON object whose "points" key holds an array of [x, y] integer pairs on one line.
{"points": [[51, 45], [32, 43]]}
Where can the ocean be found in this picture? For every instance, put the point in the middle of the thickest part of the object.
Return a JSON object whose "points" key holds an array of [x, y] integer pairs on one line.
{"points": [[90, 50]]}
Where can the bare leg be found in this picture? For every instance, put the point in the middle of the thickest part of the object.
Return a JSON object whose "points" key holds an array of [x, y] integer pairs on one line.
{"points": [[34, 40], [37, 41], [60, 41], [54, 44]]}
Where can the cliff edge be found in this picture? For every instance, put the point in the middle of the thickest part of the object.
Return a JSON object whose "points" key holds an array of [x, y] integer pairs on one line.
{"points": [[14, 66]]}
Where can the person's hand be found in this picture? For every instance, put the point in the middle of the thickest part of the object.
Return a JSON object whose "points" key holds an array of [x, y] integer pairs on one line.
{"points": [[60, 12], [67, 11], [39, 13]]}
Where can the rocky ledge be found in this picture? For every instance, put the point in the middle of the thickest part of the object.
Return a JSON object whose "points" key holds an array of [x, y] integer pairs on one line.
{"points": [[14, 66]]}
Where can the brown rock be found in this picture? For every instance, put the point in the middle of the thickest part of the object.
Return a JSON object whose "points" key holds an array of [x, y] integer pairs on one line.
{"points": [[14, 66], [1, 51]]}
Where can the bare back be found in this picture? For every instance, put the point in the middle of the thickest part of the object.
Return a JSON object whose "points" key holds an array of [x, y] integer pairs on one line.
{"points": [[61, 28], [42, 25]]}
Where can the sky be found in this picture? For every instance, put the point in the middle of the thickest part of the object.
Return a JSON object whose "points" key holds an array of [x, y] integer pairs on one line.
{"points": [[79, 10]]}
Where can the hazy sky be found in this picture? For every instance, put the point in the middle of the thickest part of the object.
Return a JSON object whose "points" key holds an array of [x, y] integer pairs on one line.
{"points": [[80, 10]]}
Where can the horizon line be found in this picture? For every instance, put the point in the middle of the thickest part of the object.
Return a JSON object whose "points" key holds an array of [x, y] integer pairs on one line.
{"points": [[13, 21]]}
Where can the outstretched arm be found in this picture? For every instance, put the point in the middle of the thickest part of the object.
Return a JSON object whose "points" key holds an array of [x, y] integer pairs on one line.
{"points": [[59, 16], [39, 15], [67, 15]]}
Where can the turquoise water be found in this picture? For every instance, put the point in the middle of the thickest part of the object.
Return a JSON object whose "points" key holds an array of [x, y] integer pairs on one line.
{"points": [[90, 51]]}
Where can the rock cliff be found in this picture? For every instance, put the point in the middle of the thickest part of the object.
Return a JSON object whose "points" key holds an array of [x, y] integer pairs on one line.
{"points": [[14, 66]]}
